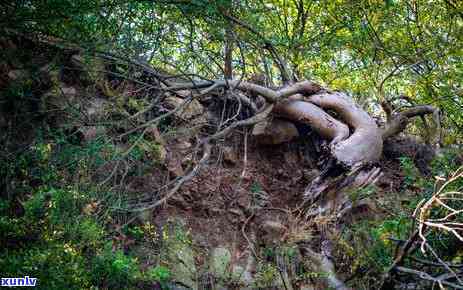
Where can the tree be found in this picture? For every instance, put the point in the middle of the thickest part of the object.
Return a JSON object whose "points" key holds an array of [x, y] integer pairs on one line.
{"points": [[401, 57]]}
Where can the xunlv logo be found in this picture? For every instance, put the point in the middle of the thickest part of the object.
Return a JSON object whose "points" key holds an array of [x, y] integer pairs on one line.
{"points": [[18, 282]]}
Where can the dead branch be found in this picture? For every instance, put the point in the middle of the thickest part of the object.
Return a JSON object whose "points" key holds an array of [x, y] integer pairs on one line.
{"points": [[428, 277], [180, 181], [403, 252], [438, 200]]}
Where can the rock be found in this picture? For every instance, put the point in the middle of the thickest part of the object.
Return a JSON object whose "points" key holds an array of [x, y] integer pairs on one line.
{"points": [[273, 226], [244, 275], [184, 270], [244, 201], [174, 165], [182, 144], [229, 155], [219, 263], [411, 146], [360, 210], [180, 256], [96, 109], [273, 231], [17, 74], [90, 133], [274, 131], [193, 110]]}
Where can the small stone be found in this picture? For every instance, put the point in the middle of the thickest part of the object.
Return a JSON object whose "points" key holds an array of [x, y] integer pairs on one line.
{"points": [[244, 201], [189, 111], [219, 262], [174, 165], [273, 227], [274, 132], [96, 109], [229, 155], [182, 145], [16, 74], [90, 133]]}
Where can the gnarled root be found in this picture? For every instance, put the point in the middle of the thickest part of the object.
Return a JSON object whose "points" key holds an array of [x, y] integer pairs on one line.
{"points": [[365, 145]]}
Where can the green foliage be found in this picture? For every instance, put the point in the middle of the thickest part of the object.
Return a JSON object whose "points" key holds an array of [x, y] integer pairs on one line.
{"points": [[446, 162], [348, 45], [265, 276], [354, 46], [358, 194], [256, 187], [370, 245], [411, 172], [59, 238], [160, 274], [57, 265], [114, 269]]}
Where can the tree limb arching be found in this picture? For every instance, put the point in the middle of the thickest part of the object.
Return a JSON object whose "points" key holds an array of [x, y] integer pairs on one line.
{"points": [[300, 102], [365, 145], [397, 122]]}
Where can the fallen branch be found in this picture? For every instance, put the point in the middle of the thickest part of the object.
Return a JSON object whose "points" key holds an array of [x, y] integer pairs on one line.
{"points": [[426, 276]]}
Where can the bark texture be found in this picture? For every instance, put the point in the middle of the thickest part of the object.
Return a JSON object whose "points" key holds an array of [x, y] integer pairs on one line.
{"points": [[365, 145]]}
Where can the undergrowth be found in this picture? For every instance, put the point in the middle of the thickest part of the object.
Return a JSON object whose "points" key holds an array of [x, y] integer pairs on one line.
{"points": [[58, 226], [368, 247]]}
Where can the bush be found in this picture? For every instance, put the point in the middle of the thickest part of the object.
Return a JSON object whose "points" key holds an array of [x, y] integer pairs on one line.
{"points": [[114, 270]]}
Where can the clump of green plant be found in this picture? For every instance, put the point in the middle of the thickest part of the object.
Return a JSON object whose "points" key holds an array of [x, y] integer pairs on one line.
{"points": [[265, 276], [370, 245], [51, 227], [446, 162], [159, 274], [114, 269], [356, 195], [57, 239], [412, 174]]}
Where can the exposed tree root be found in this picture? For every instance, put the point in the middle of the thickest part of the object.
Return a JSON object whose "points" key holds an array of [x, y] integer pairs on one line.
{"points": [[355, 140], [300, 102]]}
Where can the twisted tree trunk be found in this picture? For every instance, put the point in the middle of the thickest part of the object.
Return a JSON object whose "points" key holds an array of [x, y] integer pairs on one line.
{"points": [[307, 102], [355, 140]]}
